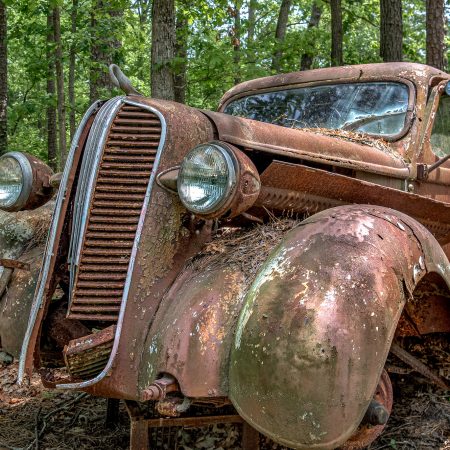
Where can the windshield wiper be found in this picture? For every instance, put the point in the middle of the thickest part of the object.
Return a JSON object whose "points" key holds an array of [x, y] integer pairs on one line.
{"points": [[352, 126]]}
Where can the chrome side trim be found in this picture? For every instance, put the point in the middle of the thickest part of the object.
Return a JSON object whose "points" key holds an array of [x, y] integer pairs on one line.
{"points": [[88, 174], [37, 302], [134, 250]]}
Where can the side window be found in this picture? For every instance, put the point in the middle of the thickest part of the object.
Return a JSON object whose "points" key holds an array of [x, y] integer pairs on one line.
{"points": [[440, 136]]}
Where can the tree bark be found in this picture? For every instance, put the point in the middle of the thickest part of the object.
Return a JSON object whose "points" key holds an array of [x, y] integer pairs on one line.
{"points": [[337, 57], [280, 33], [73, 19], [307, 58], [52, 146], [105, 45], [252, 7], [61, 107], [3, 80], [181, 56], [435, 28], [237, 42], [391, 30], [163, 49]]}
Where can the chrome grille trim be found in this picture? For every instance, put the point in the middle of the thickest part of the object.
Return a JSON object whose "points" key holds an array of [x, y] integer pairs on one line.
{"points": [[42, 281], [134, 250], [88, 173]]}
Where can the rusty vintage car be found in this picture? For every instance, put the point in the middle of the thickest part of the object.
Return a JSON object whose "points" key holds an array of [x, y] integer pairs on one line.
{"points": [[147, 292]]}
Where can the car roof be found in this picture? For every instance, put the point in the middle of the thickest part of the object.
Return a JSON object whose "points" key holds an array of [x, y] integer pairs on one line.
{"points": [[419, 74]]}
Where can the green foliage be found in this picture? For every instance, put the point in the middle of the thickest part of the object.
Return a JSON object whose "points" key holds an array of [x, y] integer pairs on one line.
{"points": [[211, 65]]}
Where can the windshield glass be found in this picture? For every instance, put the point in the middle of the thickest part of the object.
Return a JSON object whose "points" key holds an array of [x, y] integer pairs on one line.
{"points": [[375, 108]]}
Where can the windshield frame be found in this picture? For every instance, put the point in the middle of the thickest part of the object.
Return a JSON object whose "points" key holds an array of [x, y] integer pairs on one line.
{"points": [[410, 111]]}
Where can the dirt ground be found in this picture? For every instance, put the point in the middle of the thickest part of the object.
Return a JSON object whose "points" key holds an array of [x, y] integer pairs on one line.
{"points": [[35, 418]]}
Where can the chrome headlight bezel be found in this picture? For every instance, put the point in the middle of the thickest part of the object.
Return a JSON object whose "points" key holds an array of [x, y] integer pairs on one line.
{"points": [[27, 180], [232, 167], [36, 189]]}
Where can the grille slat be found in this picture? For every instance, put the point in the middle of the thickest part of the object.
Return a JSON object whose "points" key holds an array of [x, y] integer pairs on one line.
{"points": [[127, 157], [151, 131], [98, 269], [99, 300], [124, 172], [121, 181], [127, 189], [102, 276]]}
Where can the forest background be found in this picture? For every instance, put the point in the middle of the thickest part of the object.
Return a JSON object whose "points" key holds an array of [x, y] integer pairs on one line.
{"points": [[54, 54]]}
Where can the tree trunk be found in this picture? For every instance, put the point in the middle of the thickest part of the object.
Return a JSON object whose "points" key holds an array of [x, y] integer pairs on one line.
{"points": [[252, 7], [280, 33], [73, 19], [52, 146], [143, 7], [181, 56], [3, 80], [105, 45], [60, 88], [163, 49], [391, 30], [435, 26], [307, 58], [337, 58], [237, 43]]}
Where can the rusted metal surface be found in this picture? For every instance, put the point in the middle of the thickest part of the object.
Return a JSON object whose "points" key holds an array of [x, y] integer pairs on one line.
{"points": [[60, 329], [428, 311], [308, 146], [248, 186], [41, 190], [193, 330], [410, 71], [86, 356], [16, 300], [166, 241], [143, 426], [117, 200], [160, 387], [21, 239], [303, 189], [410, 146], [367, 433], [325, 307], [14, 264]]}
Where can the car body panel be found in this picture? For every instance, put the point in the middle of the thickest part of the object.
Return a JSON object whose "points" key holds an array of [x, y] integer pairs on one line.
{"points": [[317, 322]]}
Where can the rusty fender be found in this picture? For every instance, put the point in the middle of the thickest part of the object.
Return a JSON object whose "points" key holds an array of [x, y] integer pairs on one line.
{"points": [[193, 331], [22, 241], [318, 321]]}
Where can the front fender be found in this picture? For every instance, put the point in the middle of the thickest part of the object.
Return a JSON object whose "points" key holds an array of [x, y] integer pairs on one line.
{"points": [[22, 237], [318, 321]]}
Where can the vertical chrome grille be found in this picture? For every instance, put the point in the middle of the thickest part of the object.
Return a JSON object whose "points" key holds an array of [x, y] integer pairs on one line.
{"points": [[112, 210]]}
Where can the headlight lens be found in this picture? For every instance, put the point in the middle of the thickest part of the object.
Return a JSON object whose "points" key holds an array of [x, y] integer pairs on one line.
{"points": [[207, 178], [11, 181], [16, 179]]}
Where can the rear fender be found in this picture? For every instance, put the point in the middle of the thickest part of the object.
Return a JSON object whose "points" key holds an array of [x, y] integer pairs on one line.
{"points": [[318, 321]]}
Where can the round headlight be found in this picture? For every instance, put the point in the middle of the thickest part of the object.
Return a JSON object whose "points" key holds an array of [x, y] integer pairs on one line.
{"points": [[15, 181], [23, 182], [207, 178]]}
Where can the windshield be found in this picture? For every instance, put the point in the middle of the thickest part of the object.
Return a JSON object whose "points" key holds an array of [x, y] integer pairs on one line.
{"points": [[377, 108]]}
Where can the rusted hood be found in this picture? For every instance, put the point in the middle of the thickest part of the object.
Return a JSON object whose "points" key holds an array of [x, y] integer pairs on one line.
{"points": [[308, 145]]}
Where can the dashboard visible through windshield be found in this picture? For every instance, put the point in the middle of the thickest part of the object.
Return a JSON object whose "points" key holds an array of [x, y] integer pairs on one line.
{"points": [[376, 108]]}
